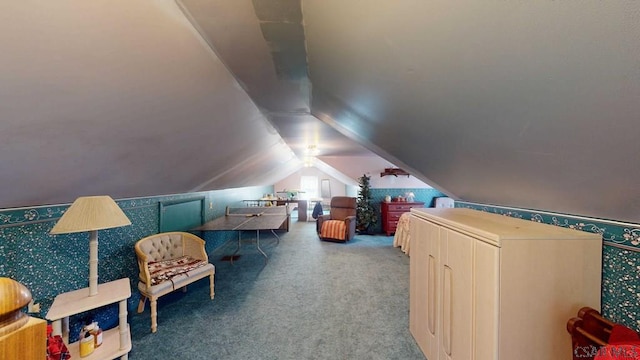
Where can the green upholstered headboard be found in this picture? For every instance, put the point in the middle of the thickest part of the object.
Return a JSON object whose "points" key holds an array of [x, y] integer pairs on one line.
{"points": [[181, 215]]}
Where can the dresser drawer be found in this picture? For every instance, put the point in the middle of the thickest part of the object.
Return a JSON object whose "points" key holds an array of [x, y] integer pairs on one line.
{"points": [[395, 216], [400, 207]]}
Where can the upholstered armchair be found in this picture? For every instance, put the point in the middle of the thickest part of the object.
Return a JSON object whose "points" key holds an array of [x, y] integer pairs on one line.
{"points": [[167, 262], [340, 223]]}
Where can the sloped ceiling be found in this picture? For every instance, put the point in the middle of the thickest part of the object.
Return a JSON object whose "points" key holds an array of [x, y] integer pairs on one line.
{"points": [[122, 98], [263, 45], [526, 104]]}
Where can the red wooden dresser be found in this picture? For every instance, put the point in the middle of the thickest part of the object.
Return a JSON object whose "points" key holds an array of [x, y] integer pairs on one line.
{"points": [[391, 212]]}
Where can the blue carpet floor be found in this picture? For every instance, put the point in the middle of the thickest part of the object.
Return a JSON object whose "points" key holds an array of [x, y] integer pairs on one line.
{"points": [[311, 300]]}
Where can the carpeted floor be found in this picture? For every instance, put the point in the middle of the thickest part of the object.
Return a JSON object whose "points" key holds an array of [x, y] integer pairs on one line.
{"points": [[311, 300]]}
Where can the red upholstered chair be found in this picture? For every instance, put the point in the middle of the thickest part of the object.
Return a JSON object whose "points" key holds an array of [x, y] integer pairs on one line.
{"points": [[340, 223]]}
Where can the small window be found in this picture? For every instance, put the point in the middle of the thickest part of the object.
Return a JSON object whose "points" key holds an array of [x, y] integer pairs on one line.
{"points": [[309, 186]]}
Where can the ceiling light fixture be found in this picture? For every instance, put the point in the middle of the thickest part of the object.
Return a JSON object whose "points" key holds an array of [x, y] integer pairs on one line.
{"points": [[308, 161], [312, 150]]}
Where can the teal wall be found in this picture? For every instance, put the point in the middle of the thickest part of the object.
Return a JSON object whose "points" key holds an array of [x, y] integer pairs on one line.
{"points": [[425, 195], [620, 257], [51, 264]]}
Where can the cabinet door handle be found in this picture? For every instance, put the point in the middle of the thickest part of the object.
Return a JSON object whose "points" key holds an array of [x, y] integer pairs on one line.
{"points": [[446, 310], [432, 295]]}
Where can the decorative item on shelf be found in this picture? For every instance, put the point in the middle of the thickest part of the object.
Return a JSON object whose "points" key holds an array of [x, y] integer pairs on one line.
{"points": [[291, 194], [56, 348], [87, 342], [387, 198], [393, 171], [91, 213], [410, 196], [95, 330]]}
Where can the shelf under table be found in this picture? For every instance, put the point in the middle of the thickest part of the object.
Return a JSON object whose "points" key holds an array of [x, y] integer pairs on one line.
{"points": [[110, 348], [116, 341]]}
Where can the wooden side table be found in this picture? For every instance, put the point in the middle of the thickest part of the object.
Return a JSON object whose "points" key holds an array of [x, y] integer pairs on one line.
{"points": [[116, 341]]}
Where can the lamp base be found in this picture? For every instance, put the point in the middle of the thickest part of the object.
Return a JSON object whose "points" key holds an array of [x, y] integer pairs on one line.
{"points": [[93, 263]]}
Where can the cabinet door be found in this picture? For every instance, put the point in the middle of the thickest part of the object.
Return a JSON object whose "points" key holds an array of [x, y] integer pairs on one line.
{"points": [[487, 292], [456, 324], [424, 284]]}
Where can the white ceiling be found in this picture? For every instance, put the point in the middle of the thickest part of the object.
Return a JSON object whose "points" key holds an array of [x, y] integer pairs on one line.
{"points": [[526, 104]]}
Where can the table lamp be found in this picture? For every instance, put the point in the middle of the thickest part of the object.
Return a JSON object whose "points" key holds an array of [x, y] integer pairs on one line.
{"points": [[91, 213]]}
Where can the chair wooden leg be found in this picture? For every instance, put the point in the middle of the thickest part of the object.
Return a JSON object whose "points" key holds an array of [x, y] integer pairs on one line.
{"points": [[141, 303], [154, 314], [211, 286]]}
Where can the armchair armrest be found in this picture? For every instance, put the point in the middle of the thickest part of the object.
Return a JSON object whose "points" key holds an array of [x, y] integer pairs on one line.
{"points": [[350, 221], [194, 247], [143, 266], [319, 221]]}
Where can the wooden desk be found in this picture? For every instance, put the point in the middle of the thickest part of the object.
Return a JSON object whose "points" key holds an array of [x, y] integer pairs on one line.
{"points": [[248, 218], [303, 206]]}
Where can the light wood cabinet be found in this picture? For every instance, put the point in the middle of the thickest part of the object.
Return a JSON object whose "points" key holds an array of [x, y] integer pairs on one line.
{"points": [[117, 341], [490, 287], [423, 283]]}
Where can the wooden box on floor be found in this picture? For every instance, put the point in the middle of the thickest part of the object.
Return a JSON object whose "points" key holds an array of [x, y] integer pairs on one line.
{"points": [[28, 342], [21, 337]]}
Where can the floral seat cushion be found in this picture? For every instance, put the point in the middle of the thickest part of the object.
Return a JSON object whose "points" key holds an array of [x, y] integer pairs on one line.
{"points": [[164, 270]]}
